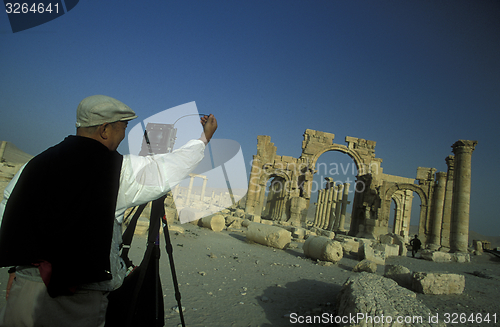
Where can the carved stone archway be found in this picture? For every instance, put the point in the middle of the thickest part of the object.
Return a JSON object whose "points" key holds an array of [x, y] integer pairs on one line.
{"points": [[423, 193], [278, 199]]}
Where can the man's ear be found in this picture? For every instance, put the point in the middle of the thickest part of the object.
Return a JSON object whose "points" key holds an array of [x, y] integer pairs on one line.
{"points": [[104, 131]]}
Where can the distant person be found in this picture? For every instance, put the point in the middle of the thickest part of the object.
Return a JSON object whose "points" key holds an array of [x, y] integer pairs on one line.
{"points": [[62, 213], [415, 245]]}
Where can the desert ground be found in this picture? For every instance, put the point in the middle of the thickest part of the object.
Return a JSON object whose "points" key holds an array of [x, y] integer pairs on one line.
{"points": [[225, 280]]}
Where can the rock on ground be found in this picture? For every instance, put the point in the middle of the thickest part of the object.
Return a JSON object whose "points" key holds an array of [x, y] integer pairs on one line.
{"points": [[365, 265], [378, 301], [438, 283]]}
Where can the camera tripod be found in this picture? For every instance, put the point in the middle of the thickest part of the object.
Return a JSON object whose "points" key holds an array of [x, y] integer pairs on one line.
{"points": [[149, 267]]}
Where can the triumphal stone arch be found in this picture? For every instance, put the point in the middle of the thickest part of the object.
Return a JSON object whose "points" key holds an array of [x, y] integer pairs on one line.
{"points": [[442, 223]]}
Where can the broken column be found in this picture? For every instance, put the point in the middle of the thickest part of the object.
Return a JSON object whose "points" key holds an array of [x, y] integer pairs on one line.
{"points": [[459, 236], [215, 223], [437, 210], [273, 236], [323, 248]]}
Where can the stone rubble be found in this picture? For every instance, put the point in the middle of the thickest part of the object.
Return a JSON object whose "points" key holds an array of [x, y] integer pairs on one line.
{"points": [[380, 301]]}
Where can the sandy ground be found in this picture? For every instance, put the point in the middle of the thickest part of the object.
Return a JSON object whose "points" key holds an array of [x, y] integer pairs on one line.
{"points": [[226, 281]]}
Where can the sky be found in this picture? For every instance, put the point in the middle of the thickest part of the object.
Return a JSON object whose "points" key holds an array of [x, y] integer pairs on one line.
{"points": [[413, 76]]}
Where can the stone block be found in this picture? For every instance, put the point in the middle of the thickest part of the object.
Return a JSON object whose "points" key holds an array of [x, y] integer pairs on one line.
{"points": [[366, 251], [298, 232], [365, 265], [327, 233], [438, 283], [398, 240], [436, 256], [400, 274], [391, 250], [350, 246], [369, 297], [323, 248], [460, 257]]}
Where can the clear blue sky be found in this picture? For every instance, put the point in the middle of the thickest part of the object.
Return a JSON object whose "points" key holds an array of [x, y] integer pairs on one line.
{"points": [[414, 76]]}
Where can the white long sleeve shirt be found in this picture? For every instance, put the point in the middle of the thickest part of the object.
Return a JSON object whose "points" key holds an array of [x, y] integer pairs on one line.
{"points": [[142, 179]]}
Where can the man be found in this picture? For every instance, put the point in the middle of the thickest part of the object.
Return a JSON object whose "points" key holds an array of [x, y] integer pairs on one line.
{"points": [[415, 245], [62, 214]]}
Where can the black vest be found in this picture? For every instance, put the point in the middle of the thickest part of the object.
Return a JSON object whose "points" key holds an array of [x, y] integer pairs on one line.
{"points": [[62, 211]]}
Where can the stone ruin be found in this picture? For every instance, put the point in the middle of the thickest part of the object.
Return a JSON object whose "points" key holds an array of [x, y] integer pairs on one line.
{"points": [[445, 196]]}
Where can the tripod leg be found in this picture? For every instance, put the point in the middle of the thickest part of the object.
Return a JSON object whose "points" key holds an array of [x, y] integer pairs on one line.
{"points": [[168, 246]]}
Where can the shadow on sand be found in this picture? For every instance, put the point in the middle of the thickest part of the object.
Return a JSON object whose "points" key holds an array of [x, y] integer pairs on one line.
{"points": [[286, 305]]}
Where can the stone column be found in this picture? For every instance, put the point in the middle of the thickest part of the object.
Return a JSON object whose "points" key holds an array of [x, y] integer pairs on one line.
{"points": [[341, 223], [254, 185], [459, 236], [280, 201], [333, 217], [448, 200], [324, 209], [260, 198], [319, 216], [339, 201], [408, 202], [357, 212], [190, 189], [437, 210], [328, 215], [202, 196], [212, 198], [396, 229], [316, 215]]}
